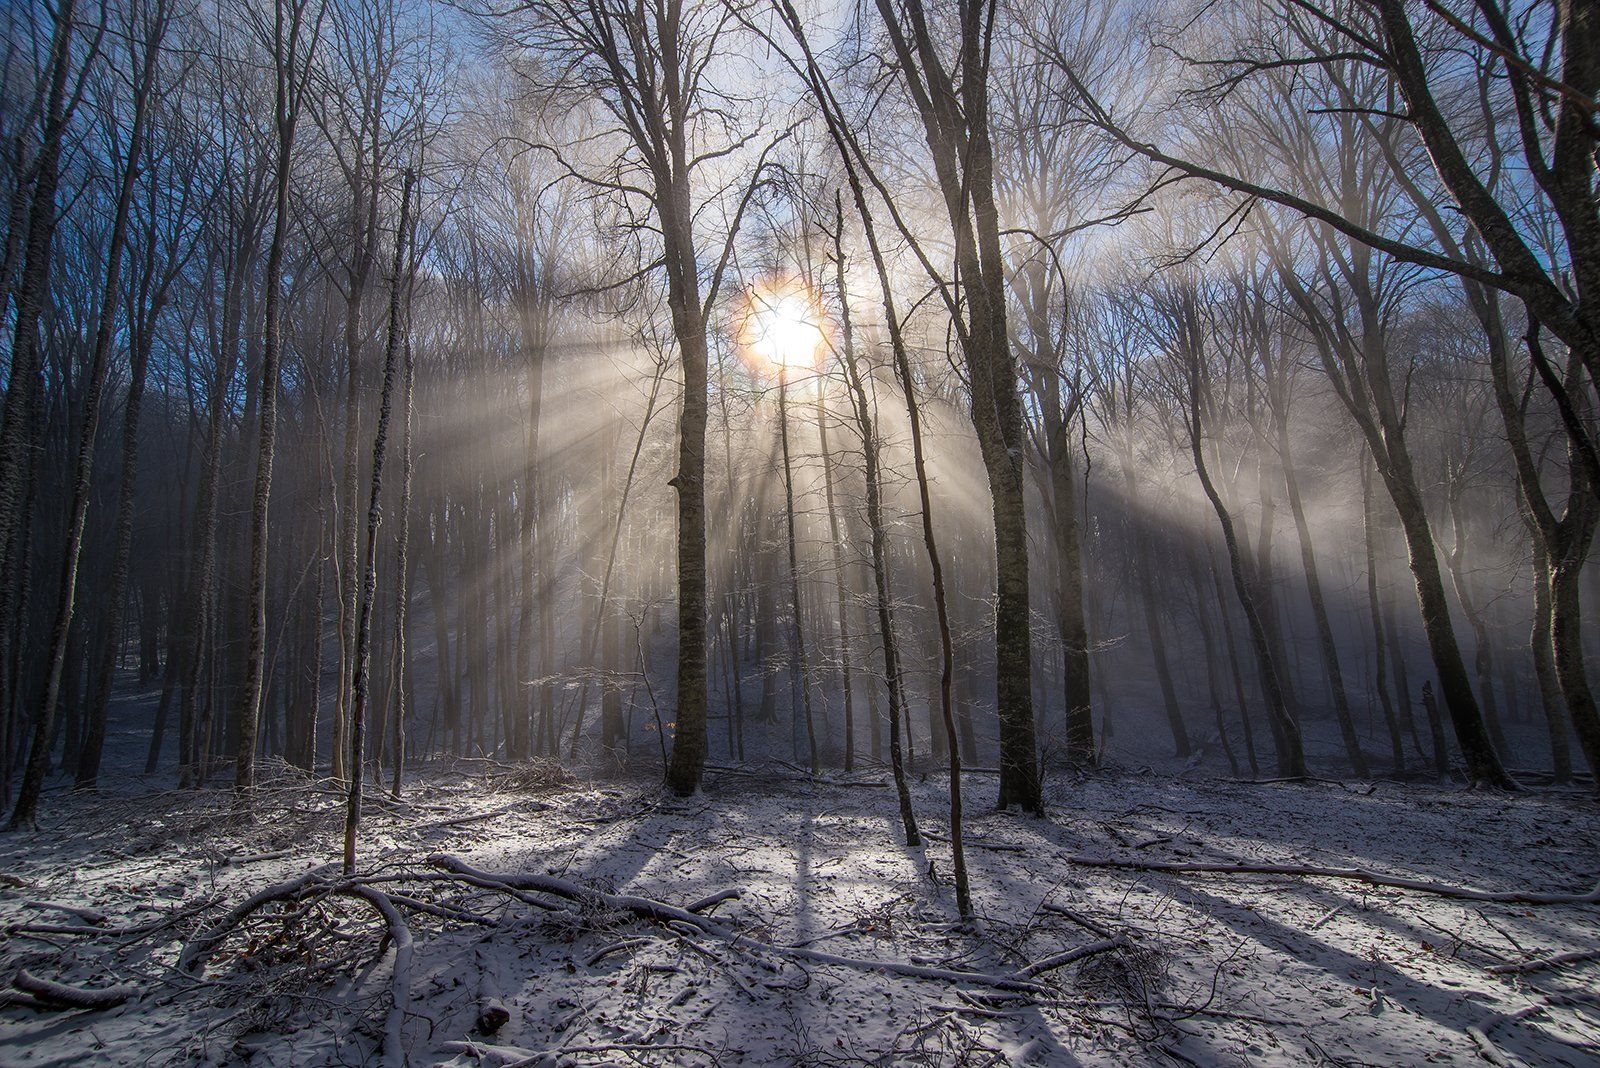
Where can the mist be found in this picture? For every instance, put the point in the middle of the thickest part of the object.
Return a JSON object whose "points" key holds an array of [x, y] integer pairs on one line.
{"points": [[989, 423]]}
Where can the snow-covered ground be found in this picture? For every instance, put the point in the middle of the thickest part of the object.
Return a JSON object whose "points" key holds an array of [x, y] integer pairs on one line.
{"points": [[1203, 968]]}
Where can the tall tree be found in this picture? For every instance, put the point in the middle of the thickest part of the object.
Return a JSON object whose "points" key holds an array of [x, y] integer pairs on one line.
{"points": [[291, 41]]}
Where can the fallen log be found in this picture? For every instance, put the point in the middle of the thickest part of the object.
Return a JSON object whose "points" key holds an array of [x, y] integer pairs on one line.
{"points": [[518, 1057]]}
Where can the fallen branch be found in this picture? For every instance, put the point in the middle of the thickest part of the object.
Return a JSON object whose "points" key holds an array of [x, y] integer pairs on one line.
{"points": [[1479, 1032], [1058, 960], [256, 858], [517, 1057], [1090, 925], [713, 899], [487, 1053], [978, 843], [662, 912], [93, 917], [443, 912], [54, 929], [394, 1050], [615, 947], [1555, 960], [842, 932], [60, 995], [1510, 897], [198, 950], [131, 931], [492, 1012], [524, 805]]}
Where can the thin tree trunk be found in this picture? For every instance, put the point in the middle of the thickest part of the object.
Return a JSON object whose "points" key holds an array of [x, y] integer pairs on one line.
{"points": [[88, 771], [22, 415], [83, 467], [1209, 646], [689, 327], [1144, 566], [1319, 607], [402, 575], [802, 666], [1069, 577], [1551, 698], [1291, 754], [290, 86], [1483, 654], [878, 538], [835, 538], [369, 570], [1380, 675], [1483, 765], [1235, 672]]}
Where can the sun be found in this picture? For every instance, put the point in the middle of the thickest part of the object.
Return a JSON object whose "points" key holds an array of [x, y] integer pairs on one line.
{"points": [[782, 325]]}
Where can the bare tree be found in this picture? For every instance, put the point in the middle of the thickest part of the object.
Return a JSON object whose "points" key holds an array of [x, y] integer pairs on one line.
{"points": [[292, 42]]}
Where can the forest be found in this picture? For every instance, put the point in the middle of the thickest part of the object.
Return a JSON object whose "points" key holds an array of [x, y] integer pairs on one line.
{"points": [[709, 532]]}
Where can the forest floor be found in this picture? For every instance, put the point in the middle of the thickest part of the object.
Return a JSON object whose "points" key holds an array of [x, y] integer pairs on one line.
{"points": [[542, 942]]}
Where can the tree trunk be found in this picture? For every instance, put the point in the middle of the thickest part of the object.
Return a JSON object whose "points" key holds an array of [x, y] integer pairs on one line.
{"points": [[1144, 566], [1319, 608], [1380, 676], [369, 570], [1069, 575], [1291, 754], [83, 467], [841, 600], [1483, 654], [689, 327], [801, 668], [879, 540], [1542, 641], [290, 86], [1483, 765], [20, 422], [88, 771]]}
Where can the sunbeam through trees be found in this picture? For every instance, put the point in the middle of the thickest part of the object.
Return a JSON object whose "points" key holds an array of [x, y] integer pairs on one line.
{"points": [[778, 531]]}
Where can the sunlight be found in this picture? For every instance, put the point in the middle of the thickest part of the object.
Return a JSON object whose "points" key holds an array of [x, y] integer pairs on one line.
{"points": [[782, 326]]}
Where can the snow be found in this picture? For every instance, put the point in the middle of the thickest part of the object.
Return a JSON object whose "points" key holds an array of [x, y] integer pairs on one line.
{"points": [[1205, 968]]}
